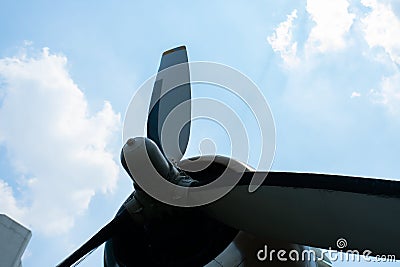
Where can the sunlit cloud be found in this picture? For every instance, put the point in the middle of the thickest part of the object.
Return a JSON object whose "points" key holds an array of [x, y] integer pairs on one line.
{"points": [[282, 41], [382, 28], [332, 22], [388, 94], [53, 141], [378, 26]]}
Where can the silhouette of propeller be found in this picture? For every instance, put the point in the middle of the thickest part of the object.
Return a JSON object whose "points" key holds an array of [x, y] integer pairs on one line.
{"points": [[168, 137], [301, 208]]}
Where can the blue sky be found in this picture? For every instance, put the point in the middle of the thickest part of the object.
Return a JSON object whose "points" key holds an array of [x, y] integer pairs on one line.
{"points": [[329, 70]]}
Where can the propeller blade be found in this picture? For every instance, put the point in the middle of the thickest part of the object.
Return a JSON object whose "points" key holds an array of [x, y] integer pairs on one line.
{"points": [[168, 122], [316, 210], [97, 240]]}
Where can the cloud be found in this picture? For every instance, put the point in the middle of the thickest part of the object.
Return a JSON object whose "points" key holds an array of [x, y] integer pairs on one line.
{"points": [[332, 21], [8, 202], [382, 29], [282, 42], [375, 27], [389, 93], [53, 141]]}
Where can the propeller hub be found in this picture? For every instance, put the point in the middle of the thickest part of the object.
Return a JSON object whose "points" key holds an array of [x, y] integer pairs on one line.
{"points": [[142, 157]]}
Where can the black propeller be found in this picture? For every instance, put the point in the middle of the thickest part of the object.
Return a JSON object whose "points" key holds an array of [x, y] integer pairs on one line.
{"points": [[301, 208], [146, 232], [99, 238]]}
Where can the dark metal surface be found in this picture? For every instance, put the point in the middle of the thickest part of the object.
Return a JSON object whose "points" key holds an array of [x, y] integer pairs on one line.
{"points": [[171, 89]]}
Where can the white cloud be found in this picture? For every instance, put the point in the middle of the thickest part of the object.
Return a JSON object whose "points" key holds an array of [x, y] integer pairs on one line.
{"points": [[8, 203], [355, 94], [282, 40], [52, 140], [382, 29], [389, 93], [332, 22]]}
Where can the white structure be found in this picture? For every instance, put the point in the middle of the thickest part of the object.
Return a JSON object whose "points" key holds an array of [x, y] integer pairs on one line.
{"points": [[13, 240]]}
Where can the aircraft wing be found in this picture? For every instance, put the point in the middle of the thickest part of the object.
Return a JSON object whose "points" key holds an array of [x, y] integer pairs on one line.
{"points": [[317, 210]]}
